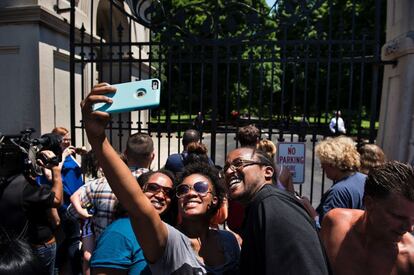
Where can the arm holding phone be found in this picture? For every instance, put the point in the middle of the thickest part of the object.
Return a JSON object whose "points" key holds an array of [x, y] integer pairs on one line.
{"points": [[151, 232], [132, 96]]}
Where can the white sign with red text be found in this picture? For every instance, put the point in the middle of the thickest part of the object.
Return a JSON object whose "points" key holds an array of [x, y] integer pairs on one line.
{"points": [[291, 155]]}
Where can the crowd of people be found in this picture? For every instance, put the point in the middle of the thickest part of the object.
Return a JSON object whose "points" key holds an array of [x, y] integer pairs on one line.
{"points": [[194, 217]]}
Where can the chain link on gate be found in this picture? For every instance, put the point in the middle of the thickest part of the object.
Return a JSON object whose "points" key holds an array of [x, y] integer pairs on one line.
{"points": [[286, 69]]}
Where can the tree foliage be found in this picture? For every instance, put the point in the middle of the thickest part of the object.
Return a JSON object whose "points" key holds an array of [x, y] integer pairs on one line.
{"points": [[335, 46], [305, 57], [200, 34]]}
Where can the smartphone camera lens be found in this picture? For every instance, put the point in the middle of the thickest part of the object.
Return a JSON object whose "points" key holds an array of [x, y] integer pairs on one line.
{"points": [[140, 93]]}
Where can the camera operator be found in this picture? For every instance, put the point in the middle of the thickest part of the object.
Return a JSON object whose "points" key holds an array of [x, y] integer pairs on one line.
{"points": [[68, 258], [24, 208]]}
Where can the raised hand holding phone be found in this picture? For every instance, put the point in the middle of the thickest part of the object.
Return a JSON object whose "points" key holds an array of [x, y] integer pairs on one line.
{"points": [[132, 96]]}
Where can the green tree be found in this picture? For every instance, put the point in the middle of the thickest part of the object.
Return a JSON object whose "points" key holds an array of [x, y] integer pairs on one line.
{"points": [[199, 34], [306, 57], [335, 45]]}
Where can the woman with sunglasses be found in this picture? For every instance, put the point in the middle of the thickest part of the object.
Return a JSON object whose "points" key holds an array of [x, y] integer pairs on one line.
{"points": [[192, 246], [117, 250]]}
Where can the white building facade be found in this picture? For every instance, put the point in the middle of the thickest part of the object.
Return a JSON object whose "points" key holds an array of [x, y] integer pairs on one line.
{"points": [[35, 60]]}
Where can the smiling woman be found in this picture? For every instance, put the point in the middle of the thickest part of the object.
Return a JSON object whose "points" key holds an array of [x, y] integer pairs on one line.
{"points": [[199, 197], [192, 246], [117, 250], [202, 180], [200, 187]]}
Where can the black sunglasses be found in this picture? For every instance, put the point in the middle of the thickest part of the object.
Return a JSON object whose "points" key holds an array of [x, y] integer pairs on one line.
{"points": [[155, 188], [201, 187], [239, 164]]}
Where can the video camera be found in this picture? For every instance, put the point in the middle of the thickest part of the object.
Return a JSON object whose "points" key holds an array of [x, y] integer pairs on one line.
{"points": [[18, 153]]}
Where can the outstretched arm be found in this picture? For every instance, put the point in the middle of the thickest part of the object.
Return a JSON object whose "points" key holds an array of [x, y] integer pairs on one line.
{"points": [[150, 231]]}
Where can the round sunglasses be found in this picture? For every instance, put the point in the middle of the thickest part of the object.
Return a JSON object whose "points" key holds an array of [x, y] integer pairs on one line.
{"points": [[200, 187], [155, 188]]}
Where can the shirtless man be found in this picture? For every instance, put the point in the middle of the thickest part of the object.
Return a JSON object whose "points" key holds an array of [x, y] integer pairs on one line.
{"points": [[377, 240]]}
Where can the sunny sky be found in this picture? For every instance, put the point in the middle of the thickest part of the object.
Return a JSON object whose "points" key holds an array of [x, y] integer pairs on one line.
{"points": [[270, 2]]}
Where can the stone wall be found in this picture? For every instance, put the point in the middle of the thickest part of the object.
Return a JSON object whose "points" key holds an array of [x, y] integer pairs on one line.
{"points": [[396, 128], [35, 63]]}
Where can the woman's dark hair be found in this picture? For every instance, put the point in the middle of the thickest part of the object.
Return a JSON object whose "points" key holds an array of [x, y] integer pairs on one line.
{"points": [[170, 215], [143, 179], [212, 174], [90, 164], [17, 258], [196, 152]]}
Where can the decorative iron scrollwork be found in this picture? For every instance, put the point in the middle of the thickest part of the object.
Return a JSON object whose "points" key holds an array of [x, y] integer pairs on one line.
{"points": [[221, 19], [204, 19], [293, 11]]}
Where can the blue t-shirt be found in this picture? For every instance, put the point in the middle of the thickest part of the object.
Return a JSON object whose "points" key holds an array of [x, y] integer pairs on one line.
{"points": [[175, 162], [71, 179], [346, 193], [118, 248]]}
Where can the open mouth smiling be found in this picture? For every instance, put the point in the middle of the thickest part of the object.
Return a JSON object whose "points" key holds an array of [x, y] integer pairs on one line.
{"points": [[234, 181], [157, 204], [191, 203]]}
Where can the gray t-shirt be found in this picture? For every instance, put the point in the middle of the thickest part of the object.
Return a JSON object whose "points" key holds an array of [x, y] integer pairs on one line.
{"points": [[179, 257]]}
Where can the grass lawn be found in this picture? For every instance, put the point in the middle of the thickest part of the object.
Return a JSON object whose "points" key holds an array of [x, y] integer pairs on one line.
{"points": [[185, 118]]}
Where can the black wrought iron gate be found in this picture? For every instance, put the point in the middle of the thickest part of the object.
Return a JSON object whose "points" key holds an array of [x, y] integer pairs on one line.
{"points": [[237, 62]]}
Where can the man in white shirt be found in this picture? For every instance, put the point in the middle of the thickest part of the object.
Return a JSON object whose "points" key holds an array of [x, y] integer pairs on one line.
{"points": [[337, 124]]}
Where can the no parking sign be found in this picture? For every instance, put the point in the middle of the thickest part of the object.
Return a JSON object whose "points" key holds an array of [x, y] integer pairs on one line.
{"points": [[292, 156]]}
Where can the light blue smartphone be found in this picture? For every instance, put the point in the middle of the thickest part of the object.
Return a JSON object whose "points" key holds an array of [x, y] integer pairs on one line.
{"points": [[132, 96]]}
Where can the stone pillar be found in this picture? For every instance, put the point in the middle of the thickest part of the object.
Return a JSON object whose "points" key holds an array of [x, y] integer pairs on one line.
{"points": [[34, 65], [396, 123]]}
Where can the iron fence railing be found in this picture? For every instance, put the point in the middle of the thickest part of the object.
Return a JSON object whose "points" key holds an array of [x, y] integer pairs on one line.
{"points": [[268, 78]]}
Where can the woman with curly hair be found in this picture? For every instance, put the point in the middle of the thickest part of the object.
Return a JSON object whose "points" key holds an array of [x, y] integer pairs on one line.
{"points": [[340, 161], [191, 247]]}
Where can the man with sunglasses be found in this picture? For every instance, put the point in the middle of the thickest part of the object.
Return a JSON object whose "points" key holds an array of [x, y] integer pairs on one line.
{"points": [[279, 237], [247, 136]]}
